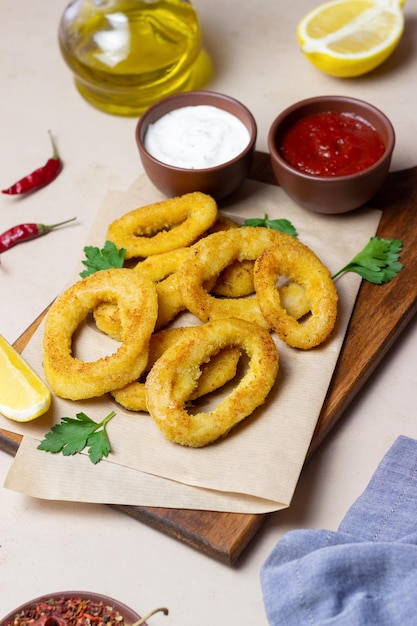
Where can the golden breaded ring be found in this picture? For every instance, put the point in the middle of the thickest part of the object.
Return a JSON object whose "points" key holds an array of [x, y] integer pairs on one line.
{"points": [[296, 261], [175, 374], [210, 256], [236, 280], [293, 300], [107, 319], [222, 223], [219, 370], [160, 268], [137, 304], [164, 225], [170, 303]]}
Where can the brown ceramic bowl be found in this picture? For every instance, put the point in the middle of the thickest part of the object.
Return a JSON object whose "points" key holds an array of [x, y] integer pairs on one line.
{"points": [[219, 181], [332, 194], [130, 616]]}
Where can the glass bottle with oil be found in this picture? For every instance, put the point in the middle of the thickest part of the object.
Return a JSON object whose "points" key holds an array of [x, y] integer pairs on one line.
{"points": [[127, 54]]}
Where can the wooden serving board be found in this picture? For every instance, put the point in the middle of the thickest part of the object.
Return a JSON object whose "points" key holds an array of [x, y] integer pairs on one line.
{"points": [[380, 315]]}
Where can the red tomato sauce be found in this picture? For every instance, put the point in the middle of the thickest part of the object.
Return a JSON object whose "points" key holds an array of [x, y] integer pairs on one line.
{"points": [[332, 144]]}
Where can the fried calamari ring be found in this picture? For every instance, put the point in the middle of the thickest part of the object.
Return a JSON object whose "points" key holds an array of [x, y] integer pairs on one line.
{"points": [[137, 303], [210, 256], [293, 300], [175, 374], [220, 369], [160, 268], [222, 223], [235, 281], [301, 265], [164, 225], [107, 319]]}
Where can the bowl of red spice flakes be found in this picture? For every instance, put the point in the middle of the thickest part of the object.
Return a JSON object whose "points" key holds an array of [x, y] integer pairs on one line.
{"points": [[331, 154], [75, 608]]}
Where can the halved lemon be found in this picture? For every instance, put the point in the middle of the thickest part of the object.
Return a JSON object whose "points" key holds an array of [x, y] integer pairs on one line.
{"points": [[347, 38], [23, 395]]}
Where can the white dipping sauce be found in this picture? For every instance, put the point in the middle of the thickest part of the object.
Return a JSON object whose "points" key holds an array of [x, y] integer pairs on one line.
{"points": [[196, 137]]}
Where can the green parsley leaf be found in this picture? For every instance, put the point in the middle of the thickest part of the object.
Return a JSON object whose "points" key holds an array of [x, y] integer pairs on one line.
{"points": [[283, 225], [99, 446], [378, 262], [72, 435], [106, 258]]}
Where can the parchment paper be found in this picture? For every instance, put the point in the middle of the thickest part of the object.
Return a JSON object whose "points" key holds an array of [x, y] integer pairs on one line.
{"points": [[256, 467]]}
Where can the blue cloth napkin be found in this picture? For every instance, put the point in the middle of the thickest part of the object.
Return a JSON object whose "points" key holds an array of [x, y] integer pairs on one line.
{"points": [[363, 574]]}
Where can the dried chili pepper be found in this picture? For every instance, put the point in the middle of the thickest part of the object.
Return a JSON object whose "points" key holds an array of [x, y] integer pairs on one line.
{"points": [[39, 177], [25, 232]]}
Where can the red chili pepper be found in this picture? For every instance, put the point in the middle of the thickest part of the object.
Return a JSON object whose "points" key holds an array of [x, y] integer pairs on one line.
{"points": [[40, 177], [25, 232]]}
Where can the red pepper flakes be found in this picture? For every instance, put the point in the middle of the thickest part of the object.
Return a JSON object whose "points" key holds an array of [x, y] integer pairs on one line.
{"points": [[39, 177], [69, 612]]}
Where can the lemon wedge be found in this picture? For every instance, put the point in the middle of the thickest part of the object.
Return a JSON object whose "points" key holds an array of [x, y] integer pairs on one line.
{"points": [[23, 395], [348, 38]]}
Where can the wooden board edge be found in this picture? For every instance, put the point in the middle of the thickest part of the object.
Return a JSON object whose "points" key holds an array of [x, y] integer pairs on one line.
{"points": [[173, 523], [9, 442], [324, 427]]}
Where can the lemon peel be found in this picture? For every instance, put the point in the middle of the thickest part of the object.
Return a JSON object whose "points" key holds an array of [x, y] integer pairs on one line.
{"points": [[23, 395], [348, 38]]}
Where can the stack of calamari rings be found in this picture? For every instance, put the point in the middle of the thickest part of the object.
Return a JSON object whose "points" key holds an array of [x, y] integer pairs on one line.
{"points": [[241, 284]]}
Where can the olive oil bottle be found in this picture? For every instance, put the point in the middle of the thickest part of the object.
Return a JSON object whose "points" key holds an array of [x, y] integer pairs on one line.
{"points": [[127, 54]]}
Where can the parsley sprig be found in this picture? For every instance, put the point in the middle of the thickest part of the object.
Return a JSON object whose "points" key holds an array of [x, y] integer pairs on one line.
{"points": [[102, 259], [72, 435], [283, 225], [378, 262]]}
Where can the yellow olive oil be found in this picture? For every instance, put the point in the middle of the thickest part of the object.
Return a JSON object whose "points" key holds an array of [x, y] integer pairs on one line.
{"points": [[127, 54]]}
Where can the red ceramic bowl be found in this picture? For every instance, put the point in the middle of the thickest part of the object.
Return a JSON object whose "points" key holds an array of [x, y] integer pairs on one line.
{"points": [[332, 194], [219, 181], [129, 615]]}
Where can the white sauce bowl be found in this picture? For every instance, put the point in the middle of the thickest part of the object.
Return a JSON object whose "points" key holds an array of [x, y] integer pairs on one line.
{"points": [[197, 141]]}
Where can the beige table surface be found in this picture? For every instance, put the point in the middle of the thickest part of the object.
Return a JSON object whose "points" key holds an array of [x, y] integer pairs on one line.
{"points": [[47, 546]]}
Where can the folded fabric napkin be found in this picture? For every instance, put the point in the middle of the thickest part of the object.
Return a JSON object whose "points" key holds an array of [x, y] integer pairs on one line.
{"points": [[363, 574]]}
